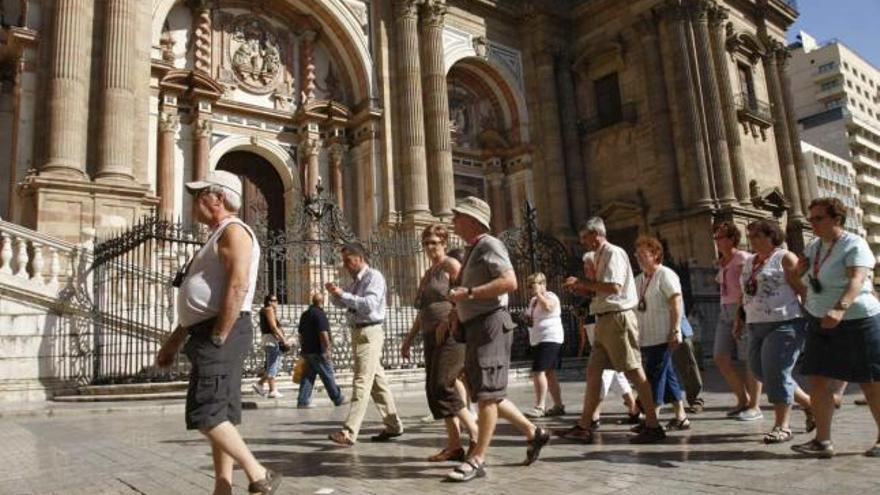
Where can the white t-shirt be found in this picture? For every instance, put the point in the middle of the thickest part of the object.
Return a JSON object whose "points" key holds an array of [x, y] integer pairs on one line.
{"points": [[546, 325], [612, 266], [654, 320], [774, 299]]}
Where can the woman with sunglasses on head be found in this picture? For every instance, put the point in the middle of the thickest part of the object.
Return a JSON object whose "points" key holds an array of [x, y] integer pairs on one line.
{"points": [[843, 342], [444, 356], [726, 345], [775, 324]]}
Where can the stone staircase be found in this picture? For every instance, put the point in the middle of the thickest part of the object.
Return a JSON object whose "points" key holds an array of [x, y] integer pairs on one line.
{"points": [[44, 327]]}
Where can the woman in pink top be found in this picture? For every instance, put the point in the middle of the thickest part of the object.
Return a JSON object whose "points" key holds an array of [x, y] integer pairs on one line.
{"points": [[727, 237]]}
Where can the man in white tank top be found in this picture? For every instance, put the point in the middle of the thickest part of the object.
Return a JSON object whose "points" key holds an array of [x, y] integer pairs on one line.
{"points": [[214, 302]]}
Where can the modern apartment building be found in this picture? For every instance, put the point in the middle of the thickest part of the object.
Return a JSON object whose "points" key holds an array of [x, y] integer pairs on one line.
{"points": [[836, 96], [836, 178]]}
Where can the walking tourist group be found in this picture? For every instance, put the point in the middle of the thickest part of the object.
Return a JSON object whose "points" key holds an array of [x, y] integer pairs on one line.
{"points": [[775, 308]]}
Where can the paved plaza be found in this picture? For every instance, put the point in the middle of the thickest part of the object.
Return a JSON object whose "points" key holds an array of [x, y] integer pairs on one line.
{"points": [[143, 448]]}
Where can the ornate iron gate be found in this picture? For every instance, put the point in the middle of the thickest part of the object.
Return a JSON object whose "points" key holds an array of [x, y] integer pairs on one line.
{"points": [[135, 303]]}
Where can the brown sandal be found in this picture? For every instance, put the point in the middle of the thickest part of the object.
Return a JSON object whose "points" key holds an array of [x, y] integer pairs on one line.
{"points": [[341, 438], [448, 455], [267, 485]]}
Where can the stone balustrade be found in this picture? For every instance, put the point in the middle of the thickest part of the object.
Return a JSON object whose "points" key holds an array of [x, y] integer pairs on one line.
{"points": [[33, 261]]}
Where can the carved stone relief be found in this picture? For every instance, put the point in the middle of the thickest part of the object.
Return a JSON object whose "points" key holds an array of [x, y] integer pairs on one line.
{"points": [[256, 54]]}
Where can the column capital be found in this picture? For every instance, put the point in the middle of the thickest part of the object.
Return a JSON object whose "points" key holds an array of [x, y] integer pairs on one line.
{"points": [[337, 151], [407, 9], [202, 128], [433, 13], [168, 122], [717, 16], [701, 9], [311, 146]]}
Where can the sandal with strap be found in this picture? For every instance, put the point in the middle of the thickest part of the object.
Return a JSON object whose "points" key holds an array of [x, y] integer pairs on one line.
{"points": [[576, 432], [448, 455], [541, 438], [778, 435], [809, 421], [267, 485], [341, 438], [679, 424], [468, 470]]}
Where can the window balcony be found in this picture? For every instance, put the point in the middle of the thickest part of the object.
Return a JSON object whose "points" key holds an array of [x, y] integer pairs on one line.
{"points": [[869, 200], [863, 159], [862, 141]]}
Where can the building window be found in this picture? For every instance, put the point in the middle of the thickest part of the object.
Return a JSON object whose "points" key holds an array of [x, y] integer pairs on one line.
{"points": [[828, 67], [747, 84], [830, 85], [608, 105]]}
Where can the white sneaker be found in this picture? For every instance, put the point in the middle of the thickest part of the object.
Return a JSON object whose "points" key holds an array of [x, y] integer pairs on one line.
{"points": [[258, 390], [535, 412], [427, 419], [275, 394]]}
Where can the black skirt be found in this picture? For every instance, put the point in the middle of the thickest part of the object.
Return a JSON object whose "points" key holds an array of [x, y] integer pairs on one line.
{"points": [[848, 352]]}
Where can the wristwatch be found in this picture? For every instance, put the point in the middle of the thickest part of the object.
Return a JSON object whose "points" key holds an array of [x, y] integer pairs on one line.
{"points": [[470, 292], [216, 339], [843, 305]]}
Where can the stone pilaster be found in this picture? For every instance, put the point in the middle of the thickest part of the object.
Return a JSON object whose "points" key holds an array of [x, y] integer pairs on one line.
{"points": [[734, 143], [411, 118], [700, 195], [438, 142], [554, 160], [201, 15], [337, 155], [364, 164], [806, 174], [68, 91], [781, 133], [202, 130], [712, 103], [574, 167], [168, 126], [115, 151], [658, 106]]}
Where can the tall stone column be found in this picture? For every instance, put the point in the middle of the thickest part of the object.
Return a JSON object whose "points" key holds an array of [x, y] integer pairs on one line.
{"points": [[806, 174], [781, 133], [574, 169], [712, 103], [168, 125], [311, 148], [117, 122], [554, 160], [438, 142], [658, 106], [68, 91], [337, 154], [734, 143], [411, 114], [201, 15], [700, 194]]}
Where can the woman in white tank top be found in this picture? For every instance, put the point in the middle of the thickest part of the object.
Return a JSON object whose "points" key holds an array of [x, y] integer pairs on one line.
{"points": [[775, 325]]}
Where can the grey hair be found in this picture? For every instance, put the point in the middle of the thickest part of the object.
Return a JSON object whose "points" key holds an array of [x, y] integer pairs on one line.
{"points": [[231, 199], [594, 224]]}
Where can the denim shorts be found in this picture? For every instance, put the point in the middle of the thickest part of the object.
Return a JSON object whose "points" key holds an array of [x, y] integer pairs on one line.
{"points": [[274, 357], [725, 344], [773, 351]]}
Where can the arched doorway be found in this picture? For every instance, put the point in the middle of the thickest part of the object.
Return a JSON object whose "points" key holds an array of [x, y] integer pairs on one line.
{"points": [[262, 207]]}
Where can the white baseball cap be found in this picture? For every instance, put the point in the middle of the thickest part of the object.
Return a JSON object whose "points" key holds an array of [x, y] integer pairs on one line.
{"points": [[221, 178]]}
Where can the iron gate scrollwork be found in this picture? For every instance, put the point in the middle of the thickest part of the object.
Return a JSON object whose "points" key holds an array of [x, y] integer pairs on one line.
{"points": [[532, 250]]}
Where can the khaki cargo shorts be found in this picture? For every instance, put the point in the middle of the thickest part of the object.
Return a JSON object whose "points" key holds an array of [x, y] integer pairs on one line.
{"points": [[617, 342]]}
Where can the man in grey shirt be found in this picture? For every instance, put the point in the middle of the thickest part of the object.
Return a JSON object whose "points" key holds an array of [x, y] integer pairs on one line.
{"points": [[486, 278], [365, 302]]}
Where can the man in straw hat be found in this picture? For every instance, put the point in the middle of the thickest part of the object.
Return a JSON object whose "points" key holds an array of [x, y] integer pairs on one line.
{"points": [[486, 278]]}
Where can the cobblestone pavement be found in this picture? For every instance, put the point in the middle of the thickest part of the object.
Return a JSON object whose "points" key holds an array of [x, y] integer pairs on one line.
{"points": [[148, 451]]}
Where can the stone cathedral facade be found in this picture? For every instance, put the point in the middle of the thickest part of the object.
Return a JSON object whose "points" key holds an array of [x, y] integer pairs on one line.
{"points": [[660, 115]]}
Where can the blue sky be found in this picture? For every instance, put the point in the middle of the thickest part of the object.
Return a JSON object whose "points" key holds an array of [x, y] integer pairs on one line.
{"points": [[856, 23]]}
